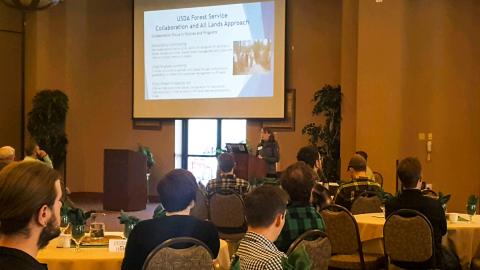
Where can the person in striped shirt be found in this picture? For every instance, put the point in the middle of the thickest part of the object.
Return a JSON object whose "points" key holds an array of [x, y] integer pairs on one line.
{"points": [[265, 209], [360, 183], [227, 180]]}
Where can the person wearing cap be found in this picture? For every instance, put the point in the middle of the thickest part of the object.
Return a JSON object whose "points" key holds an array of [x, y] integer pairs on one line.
{"points": [[227, 180], [369, 170], [359, 183], [7, 156]]}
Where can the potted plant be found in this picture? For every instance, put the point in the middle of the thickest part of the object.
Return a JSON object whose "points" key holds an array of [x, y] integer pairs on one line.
{"points": [[326, 135], [128, 222], [472, 205], [46, 124], [144, 150], [78, 218]]}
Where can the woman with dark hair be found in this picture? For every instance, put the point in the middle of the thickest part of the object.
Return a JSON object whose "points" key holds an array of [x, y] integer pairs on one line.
{"points": [[269, 150], [177, 192]]}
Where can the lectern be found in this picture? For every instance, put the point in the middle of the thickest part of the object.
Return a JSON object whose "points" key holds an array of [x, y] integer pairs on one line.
{"points": [[249, 167], [124, 180]]}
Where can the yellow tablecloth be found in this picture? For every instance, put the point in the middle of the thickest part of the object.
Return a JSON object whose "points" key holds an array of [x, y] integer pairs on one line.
{"points": [[462, 237], [86, 258], [100, 258]]}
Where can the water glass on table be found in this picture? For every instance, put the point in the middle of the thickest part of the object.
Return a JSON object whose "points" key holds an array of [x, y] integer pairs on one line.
{"points": [[78, 233], [64, 223]]}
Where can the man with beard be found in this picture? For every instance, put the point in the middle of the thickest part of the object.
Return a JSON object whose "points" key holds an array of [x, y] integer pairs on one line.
{"points": [[30, 202]]}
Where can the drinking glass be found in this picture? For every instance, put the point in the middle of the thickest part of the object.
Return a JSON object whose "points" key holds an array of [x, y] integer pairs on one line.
{"points": [[78, 233], [471, 210], [64, 223]]}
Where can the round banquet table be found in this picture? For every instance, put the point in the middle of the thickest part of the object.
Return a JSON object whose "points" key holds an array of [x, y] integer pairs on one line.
{"points": [[100, 258], [462, 237]]}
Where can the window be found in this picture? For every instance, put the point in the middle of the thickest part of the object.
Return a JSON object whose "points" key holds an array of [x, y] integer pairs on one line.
{"points": [[197, 141]]}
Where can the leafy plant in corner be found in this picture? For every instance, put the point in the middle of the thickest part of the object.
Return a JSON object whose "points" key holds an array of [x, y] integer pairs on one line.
{"points": [[149, 155], [326, 135], [46, 124]]}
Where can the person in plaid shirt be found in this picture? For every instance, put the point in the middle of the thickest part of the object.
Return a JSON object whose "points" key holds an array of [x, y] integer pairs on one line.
{"points": [[360, 183], [227, 180], [298, 181], [265, 213]]}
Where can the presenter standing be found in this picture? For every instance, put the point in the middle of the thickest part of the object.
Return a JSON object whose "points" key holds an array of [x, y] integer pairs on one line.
{"points": [[268, 150]]}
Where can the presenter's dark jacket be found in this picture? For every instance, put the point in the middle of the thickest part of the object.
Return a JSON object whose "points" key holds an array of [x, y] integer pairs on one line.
{"points": [[431, 208], [270, 152], [148, 234], [15, 259]]}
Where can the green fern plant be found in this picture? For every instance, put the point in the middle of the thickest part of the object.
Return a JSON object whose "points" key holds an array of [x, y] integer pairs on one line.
{"points": [[46, 124], [144, 150], [326, 135]]}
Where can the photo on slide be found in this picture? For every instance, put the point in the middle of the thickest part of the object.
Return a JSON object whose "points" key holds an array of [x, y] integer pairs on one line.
{"points": [[252, 57]]}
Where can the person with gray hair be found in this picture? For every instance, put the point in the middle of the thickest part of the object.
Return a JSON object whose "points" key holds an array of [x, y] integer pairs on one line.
{"points": [[7, 156]]}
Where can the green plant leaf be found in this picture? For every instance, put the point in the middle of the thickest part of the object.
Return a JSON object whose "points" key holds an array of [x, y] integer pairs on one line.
{"points": [[326, 135]]}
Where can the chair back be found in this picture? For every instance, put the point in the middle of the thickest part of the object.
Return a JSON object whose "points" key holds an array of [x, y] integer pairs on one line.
{"points": [[367, 202], [430, 193], [200, 210], [227, 210], [408, 237], [180, 253], [342, 231], [378, 178], [318, 247]]}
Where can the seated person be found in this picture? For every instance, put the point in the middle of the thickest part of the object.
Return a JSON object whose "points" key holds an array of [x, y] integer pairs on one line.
{"points": [[359, 183], [311, 156], [320, 196], [34, 153], [176, 190], [7, 156], [301, 216], [410, 173], [265, 210], [226, 179], [30, 202], [368, 171]]}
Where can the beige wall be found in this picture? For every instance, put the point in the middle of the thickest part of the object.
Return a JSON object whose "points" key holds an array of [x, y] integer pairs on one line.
{"points": [[405, 67], [418, 72], [10, 77]]}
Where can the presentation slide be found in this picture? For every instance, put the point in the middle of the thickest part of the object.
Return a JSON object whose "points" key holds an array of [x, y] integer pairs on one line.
{"points": [[222, 51]]}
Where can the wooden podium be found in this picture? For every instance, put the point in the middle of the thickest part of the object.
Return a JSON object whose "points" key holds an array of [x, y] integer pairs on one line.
{"points": [[124, 180], [249, 167]]}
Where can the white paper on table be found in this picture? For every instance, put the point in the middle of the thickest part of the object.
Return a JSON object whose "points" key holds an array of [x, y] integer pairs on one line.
{"points": [[117, 245]]}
